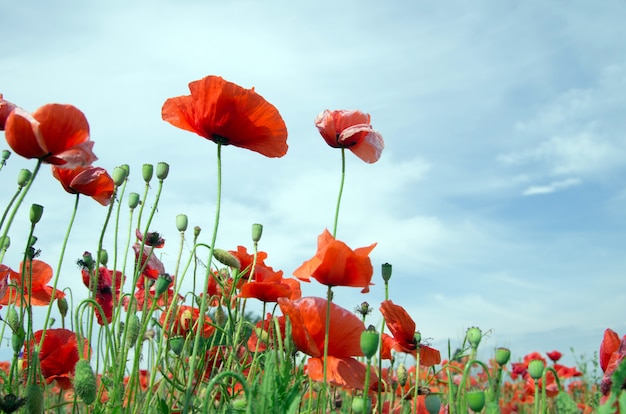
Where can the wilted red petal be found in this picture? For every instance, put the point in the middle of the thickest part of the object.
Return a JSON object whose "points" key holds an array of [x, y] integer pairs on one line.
{"points": [[94, 182], [400, 324], [229, 114]]}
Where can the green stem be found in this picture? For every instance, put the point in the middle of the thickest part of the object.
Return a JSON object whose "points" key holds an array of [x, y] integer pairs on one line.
{"points": [[203, 302], [329, 298], [58, 272], [343, 177]]}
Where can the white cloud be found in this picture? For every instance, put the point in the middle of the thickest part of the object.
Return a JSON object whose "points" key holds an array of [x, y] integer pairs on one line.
{"points": [[552, 187]]}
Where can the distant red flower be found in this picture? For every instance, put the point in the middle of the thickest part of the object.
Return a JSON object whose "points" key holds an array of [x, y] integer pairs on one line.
{"points": [[57, 134], [226, 113], [104, 290], [554, 355], [150, 265], [184, 320], [272, 289], [351, 130], [308, 323], [94, 182], [402, 328], [5, 273], [151, 239], [336, 264], [5, 109], [58, 355], [221, 290], [612, 354], [34, 286], [263, 335]]}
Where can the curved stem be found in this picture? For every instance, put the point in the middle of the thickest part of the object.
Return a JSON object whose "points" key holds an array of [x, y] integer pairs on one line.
{"points": [[343, 177], [203, 302]]}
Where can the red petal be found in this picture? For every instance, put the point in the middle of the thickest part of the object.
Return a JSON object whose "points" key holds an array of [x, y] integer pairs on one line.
{"points": [[610, 344]]}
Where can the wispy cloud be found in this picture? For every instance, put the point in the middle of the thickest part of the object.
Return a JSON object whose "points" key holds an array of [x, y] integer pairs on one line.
{"points": [[552, 187]]}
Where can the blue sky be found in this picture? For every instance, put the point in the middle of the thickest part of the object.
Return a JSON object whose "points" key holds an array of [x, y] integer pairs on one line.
{"points": [[500, 196]]}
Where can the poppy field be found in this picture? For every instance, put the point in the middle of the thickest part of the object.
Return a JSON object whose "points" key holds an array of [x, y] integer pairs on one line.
{"points": [[138, 342]]}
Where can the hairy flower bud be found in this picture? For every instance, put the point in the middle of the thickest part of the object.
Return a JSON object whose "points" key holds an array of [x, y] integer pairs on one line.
{"points": [[5, 155], [402, 375], [103, 257], [226, 258], [5, 242], [13, 320], [62, 305], [85, 381], [134, 326], [34, 399]]}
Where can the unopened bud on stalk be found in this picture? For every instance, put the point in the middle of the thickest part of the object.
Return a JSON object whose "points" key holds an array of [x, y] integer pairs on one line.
{"points": [[226, 258], [369, 342], [23, 177], [88, 261], [32, 241], [85, 381], [402, 375], [220, 316], [133, 200], [418, 337], [503, 355], [119, 176], [162, 170], [13, 320], [476, 400], [103, 257], [146, 171], [257, 232], [5, 155], [134, 326], [196, 231], [17, 340], [36, 211], [361, 405], [535, 369], [5, 242], [474, 335], [181, 222], [34, 399], [62, 305], [386, 271]]}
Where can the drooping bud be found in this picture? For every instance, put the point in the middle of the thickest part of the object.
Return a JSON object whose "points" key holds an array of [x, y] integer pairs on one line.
{"points": [[146, 171], [36, 211], [134, 326], [133, 200], [503, 355], [386, 271], [119, 176], [369, 342], [162, 170], [476, 400], [181, 222], [62, 305], [24, 177], [535, 369], [257, 232], [163, 282], [220, 316], [474, 335], [226, 258], [85, 382]]}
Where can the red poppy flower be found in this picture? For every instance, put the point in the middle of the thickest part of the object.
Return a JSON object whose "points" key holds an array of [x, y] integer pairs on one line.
{"points": [[226, 113], [221, 290], [610, 344], [104, 290], [58, 355], [150, 265], [184, 320], [351, 130], [612, 353], [6, 108], [57, 134], [336, 264], [554, 355], [271, 289], [263, 335], [34, 286], [344, 372], [402, 328], [94, 182]]}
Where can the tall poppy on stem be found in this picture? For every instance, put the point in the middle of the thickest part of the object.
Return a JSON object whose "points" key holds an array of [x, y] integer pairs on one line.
{"points": [[226, 114]]}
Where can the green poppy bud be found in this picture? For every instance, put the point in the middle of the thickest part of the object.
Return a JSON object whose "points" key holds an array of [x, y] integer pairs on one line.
{"points": [[134, 326], [369, 342], [386, 271], [535, 369], [133, 200], [418, 337], [402, 375], [119, 176], [85, 382], [146, 171], [17, 340], [162, 170], [361, 405], [226, 258], [196, 231], [176, 344], [34, 399], [5, 155], [433, 403], [181, 222], [476, 400], [5, 242], [474, 335], [88, 261], [163, 282], [503, 355], [36, 211], [24, 177], [257, 232], [103, 257], [239, 404], [13, 319], [62, 305]]}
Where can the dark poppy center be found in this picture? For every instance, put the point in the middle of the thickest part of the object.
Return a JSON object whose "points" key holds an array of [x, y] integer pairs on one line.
{"points": [[218, 139]]}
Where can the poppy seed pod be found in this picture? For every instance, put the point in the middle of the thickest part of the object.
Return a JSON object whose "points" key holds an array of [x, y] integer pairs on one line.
{"points": [[88, 261], [433, 403], [386, 271], [126, 168], [476, 400], [85, 382], [163, 282], [133, 200], [24, 177], [5, 242], [176, 344], [119, 176], [369, 342], [226, 258], [181, 222], [36, 211], [257, 232], [146, 171], [535, 369], [503, 355], [162, 170], [474, 335], [5, 155]]}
